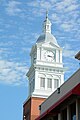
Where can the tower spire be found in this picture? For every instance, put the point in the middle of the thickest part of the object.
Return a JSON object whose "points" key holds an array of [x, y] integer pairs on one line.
{"points": [[47, 24], [46, 14]]}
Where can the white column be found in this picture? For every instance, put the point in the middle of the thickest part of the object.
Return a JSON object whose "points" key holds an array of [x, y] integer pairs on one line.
{"points": [[52, 84], [45, 83], [59, 116], [68, 113], [57, 56], [38, 53], [60, 56], [37, 80]]}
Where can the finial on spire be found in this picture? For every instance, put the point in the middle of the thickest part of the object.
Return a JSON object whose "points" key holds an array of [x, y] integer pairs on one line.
{"points": [[46, 14]]}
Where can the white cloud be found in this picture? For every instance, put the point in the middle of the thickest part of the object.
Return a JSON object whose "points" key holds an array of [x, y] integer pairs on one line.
{"points": [[41, 4], [68, 51], [66, 26], [66, 4], [55, 18], [45, 4], [39, 7], [67, 46], [71, 8], [35, 35], [33, 3], [12, 72], [12, 8], [64, 13]]}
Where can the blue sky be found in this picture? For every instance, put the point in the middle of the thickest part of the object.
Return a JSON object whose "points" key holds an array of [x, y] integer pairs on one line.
{"points": [[20, 25]]}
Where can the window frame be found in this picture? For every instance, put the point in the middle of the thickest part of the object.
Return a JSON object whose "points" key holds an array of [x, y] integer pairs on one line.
{"points": [[56, 83], [49, 83], [42, 82]]}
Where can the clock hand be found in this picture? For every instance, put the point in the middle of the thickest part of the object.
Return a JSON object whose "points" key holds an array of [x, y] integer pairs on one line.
{"points": [[49, 56]]}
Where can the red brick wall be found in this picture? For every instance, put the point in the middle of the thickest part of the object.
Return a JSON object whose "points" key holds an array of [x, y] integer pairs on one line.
{"points": [[35, 102], [27, 109], [31, 108]]}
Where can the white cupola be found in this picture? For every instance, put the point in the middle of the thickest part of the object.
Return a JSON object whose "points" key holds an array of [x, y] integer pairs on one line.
{"points": [[47, 25]]}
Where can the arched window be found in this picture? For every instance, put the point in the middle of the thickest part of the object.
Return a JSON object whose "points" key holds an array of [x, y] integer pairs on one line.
{"points": [[47, 26]]}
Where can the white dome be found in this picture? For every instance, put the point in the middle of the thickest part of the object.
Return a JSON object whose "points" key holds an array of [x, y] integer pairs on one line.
{"points": [[47, 37]]}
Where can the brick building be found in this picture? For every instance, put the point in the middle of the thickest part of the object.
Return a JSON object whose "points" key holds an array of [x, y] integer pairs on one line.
{"points": [[64, 103]]}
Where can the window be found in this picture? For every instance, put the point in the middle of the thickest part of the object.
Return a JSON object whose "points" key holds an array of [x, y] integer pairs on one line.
{"points": [[49, 82], [47, 26], [56, 83], [42, 82]]}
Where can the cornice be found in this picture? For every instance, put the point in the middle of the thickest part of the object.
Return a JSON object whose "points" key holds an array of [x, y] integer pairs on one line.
{"points": [[53, 46], [49, 68]]}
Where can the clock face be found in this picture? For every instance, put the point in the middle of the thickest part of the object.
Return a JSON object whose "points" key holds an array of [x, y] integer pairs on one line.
{"points": [[49, 55]]}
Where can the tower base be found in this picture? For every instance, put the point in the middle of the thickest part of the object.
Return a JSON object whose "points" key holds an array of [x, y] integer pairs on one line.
{"points": [[31, 108]]}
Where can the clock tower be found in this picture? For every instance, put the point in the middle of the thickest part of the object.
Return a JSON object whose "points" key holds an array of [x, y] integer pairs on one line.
{"points": [[46, 73]]}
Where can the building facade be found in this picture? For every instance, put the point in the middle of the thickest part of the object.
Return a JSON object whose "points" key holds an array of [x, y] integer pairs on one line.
{"points": [[65, 104], [46, 73]]}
